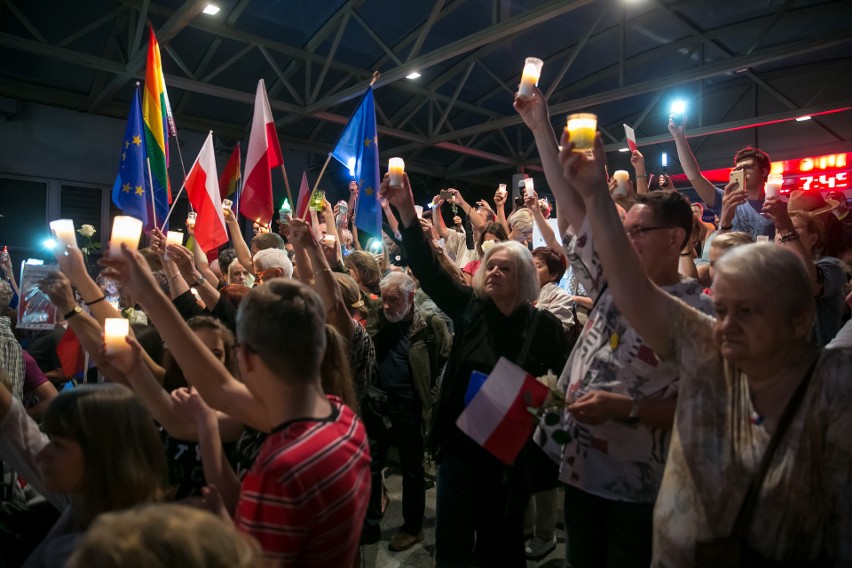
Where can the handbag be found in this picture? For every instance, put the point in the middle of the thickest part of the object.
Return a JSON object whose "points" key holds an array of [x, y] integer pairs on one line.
{"points": [[732, 551]]}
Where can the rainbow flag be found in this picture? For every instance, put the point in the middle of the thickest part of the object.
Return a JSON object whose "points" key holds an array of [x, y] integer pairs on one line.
{"points": [[159, 125], [231, 174]]}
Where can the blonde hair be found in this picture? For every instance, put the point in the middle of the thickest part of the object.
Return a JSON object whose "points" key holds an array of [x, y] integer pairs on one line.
{"points": [[727, 241], [165, 535]]}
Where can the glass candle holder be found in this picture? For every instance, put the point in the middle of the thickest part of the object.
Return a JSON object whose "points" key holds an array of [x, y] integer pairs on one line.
{"points": [[125, 230], [115, 332], [317, 200], [396, 167], [63, 230], [530, 76], [174, 238], [190, 218], [581, 130]]}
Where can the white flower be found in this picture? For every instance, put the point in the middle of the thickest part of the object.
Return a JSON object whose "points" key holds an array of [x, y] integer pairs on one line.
{"points": [[549, 380], [87, 231]]}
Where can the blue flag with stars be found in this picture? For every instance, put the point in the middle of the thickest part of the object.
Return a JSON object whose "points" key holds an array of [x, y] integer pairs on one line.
{"points": [[131, 188], [358, 149]]}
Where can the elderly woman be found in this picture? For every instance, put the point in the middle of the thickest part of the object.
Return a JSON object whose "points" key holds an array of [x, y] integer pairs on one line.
{"points": [[739, 374], [481, 501]]}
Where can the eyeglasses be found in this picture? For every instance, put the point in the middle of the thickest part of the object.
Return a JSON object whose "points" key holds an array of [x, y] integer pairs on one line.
{"points": [[639, 232], [261, 274], [748, 167]]}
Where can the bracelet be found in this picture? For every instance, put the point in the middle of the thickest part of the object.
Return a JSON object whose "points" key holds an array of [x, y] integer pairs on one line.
{"points": [[725, 228], [789, 237], [173, 277], [93, 302], [686, 254], [322, 270]]}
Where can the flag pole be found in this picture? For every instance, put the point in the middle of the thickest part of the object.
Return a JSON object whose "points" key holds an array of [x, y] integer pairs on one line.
{"points": [[182, 186], [153, 203], [322, 171]]}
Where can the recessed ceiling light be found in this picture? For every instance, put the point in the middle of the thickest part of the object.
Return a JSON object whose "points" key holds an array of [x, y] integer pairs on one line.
{"points": [[803, 118], [742, 70], [211, 10], [413, 75], [624, 149]]}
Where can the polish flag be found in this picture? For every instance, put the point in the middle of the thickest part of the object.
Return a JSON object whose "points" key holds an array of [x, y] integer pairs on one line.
{"points": [[202, 188], [264, 153], [497, 417], [304, 197]]}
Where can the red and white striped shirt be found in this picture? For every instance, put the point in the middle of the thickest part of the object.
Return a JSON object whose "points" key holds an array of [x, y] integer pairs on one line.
{"points": [[305, 497]]}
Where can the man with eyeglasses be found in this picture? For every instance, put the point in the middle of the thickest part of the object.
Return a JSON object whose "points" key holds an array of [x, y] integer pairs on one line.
{"points": [[748, 200], [620, 397], [272, 263]]}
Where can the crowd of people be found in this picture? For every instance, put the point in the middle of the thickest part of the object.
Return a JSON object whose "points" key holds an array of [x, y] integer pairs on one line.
{"points": [[703, 413]]}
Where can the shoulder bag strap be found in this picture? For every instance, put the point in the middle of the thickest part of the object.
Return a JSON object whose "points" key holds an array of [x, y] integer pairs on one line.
{"points": [[746, 513]]}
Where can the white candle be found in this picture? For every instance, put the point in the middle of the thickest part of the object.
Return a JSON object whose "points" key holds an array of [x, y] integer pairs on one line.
{"points": [[419, 210], [773, 185], [125, 230], [174, 238], [502, 189], [581, 130], [529, 187], [621, 177], [190, 218], [530, 76], [115, 332], [64, 231], [396, 167]]}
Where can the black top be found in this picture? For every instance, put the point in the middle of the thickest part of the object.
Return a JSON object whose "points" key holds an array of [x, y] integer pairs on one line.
{"points": [[392, 345], [483, 334]]}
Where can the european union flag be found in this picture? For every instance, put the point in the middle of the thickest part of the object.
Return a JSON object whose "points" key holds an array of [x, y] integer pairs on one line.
{"points": [[358, 149], [130, 192]]}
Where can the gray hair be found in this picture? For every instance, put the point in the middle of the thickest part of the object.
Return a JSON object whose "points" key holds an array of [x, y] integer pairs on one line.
{"points": [[521, 221], [525, 273], [268, 259], [5, 293], [766, 265], [399, 280]]}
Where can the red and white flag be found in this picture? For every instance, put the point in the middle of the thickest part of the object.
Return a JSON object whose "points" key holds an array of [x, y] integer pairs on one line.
{"points": [[497, 417], [631, 138], [263, 154], [304, 197], [202, 188]]}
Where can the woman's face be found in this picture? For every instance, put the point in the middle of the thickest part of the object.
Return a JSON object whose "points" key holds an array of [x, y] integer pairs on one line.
{"points": [[500, 278], [62, 465], [751, 327], [212, 340], [237, 274], [544, 276]]}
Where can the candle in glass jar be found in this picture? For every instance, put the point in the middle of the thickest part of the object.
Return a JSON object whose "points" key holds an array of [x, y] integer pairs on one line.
{"points": [[190, 218], [581, 130], [115, 332], [226, 204], [773, 185], [620, 177], [529, 77], [64, 231], [529, 187], [174, 238], [396, 167], [125, 230]]}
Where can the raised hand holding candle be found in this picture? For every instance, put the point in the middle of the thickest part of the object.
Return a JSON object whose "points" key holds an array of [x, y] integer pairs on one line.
{"points": [[115, 332], [530, 76], [63, 229], [174, 238], [227, 204], [125, 230], [396, 167], [529, 188], [581, 130]]}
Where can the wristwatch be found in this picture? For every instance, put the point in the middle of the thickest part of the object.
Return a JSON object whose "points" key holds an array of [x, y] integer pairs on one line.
{"points": [[633, 417], [197, 282], [72, 313]]}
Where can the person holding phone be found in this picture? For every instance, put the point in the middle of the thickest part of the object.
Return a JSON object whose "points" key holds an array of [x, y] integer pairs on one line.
{"points": [[751, 169]]}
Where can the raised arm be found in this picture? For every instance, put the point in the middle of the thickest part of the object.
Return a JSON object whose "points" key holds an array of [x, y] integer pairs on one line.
{"points": [[500, 210], [546, 230], [392, 220], [184, 260], [240, 246], [325, 282], [9, 271], [703, 186], [476, 220], [638, 162], [570, 209], [438, 219], [645, 306], [199, 365]]}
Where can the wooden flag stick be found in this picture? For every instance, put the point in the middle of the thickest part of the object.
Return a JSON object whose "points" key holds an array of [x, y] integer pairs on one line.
{"points": [[316, 185], [151, 182]]}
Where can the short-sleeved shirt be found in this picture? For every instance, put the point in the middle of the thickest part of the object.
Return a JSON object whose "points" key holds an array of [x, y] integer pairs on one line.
{"points": [[11, 357], [805, 506], [747, 217], [305, 497], [615, 460], [456, 247]]}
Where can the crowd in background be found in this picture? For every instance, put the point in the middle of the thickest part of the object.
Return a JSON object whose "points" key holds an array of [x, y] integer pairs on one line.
{"points": [[703, 380]]}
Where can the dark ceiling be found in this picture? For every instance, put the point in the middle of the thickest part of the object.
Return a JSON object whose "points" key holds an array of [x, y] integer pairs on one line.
{"points": [[740, 63]]}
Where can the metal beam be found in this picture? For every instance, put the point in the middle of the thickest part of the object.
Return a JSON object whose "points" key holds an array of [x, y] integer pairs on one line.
{"points": [[169, 30], [90, 27], [372, 33], [455, 97], [707, 71], [330, 57], [424, 30], [25, 21], [574, 53], [496, 33], [227, 63]]}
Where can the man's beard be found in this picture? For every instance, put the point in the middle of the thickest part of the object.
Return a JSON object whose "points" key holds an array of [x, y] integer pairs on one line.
{"points": [[396, 317]]}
